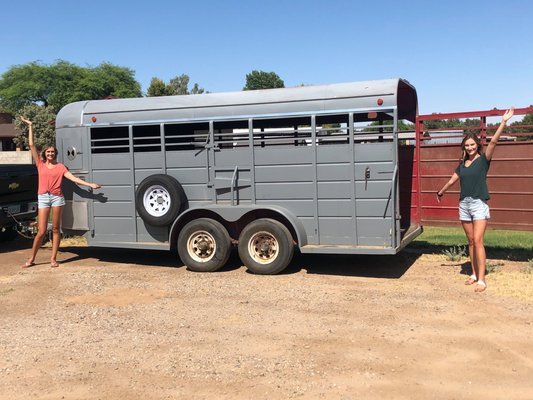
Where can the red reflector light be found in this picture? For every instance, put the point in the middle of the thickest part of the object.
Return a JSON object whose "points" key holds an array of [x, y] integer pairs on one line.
{"points": [[380, 102], [93, 119]]}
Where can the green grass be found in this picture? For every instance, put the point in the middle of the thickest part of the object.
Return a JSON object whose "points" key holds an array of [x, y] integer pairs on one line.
{"points": [[499, 244]]}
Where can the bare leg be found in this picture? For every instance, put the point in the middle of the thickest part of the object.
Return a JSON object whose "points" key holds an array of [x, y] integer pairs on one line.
{"points": [[479, 248], [56, 233], [42, 218], [469, 231]]}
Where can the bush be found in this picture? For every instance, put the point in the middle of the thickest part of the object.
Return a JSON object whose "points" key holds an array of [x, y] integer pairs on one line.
{"points": [[455, 253]]}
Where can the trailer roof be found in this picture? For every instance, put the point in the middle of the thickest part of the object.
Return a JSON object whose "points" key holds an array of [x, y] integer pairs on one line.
{"points": [[394, 92]]}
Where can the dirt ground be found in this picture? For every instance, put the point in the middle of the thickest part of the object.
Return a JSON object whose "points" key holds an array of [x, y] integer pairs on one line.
{"points": [[111, 324]]}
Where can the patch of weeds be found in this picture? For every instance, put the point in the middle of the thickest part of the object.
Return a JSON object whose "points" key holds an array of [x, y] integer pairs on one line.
{"points": [[493, 266], [455, 253], [528, 269], [6, 291]]}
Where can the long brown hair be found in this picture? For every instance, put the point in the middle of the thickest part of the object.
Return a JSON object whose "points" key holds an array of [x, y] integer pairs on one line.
{"points": [[48, 146], [475, 138]]}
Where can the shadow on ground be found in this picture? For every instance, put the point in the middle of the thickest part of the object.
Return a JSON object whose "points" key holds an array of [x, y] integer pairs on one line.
{"points": [[392, 267], [19, 243], [370, 266]]}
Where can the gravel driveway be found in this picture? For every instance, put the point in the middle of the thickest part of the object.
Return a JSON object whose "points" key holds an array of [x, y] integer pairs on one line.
{"points": [[129, 324]]}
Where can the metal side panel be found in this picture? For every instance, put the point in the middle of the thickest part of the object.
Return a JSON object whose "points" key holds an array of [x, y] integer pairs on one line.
{"points": [[75, 215]]}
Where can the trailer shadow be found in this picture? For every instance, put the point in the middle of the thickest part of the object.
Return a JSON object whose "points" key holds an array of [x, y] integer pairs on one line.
{"points": [[368, 266], [391, 267], [18, 243], [160, 258]]}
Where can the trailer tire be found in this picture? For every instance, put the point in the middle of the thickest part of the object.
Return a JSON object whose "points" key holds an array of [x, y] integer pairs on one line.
{"points": [[266, 246], [159, 199], [204, 245]]}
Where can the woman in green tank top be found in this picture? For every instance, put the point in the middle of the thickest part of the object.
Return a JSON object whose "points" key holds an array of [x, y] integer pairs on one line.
{"points": [[473, 209]]}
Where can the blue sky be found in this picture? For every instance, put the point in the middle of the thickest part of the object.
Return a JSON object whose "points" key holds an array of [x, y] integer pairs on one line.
{"points": [[460, 55]]}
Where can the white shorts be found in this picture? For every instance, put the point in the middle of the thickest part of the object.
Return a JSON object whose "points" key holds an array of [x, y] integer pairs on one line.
{"points": [[473, 209], [47, 200]]}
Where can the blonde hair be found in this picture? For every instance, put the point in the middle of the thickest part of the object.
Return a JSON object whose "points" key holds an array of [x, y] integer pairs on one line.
{"points": [[48, 146]]}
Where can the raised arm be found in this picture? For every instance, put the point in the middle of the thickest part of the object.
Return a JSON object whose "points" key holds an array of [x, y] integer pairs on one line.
{"points": [[33, 150], [450, 183], [492, 144], [79, 181]]}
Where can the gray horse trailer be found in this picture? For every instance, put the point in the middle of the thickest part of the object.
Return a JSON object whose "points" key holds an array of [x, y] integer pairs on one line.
{"points": [[315, 167]]}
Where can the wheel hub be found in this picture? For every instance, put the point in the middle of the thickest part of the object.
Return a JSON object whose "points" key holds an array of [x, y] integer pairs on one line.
{"points": [[263, 247], [201, 246]]}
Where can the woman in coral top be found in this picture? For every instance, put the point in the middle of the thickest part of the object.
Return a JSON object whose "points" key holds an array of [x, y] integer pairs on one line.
{"points": [[50, 196]]}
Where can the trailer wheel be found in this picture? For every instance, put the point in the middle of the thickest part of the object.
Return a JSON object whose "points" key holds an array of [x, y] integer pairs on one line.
{"points": [[159, 199], [204, 245], [266, 246]]}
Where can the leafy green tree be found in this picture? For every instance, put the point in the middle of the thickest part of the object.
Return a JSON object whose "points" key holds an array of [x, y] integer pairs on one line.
{"points": [[263, 80], [157, 88], [178, 85], [107, 80], [61, 83], [197, 89], [527, 129], [43, 119]]}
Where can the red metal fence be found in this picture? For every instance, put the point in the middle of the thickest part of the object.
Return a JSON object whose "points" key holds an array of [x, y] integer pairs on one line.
{"points": [[510, 178]]}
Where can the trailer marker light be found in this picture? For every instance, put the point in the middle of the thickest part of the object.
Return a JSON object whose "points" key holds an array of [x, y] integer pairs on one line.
{"points": [[93, 119], [380, 102]]}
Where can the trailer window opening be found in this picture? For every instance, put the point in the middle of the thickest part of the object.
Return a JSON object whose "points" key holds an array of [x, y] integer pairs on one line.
{"points": [[110, 140], [332, 129], [146, 138], [186, 136], [282, 132], [231, 134], [373, 127]]}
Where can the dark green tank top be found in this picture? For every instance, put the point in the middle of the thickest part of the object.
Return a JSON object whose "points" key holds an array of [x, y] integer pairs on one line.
{"points": [[474, 178]]}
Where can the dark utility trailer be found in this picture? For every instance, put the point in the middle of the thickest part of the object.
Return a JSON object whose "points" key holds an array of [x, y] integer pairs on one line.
{"points": [[315, 166]]}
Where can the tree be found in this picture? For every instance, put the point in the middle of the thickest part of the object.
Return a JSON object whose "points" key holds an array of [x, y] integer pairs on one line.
{"points": [[107, 80], [61, 83], [43, 119], [157, 88], [197, 89], [525, 128], [263, 80], [178, 85]]}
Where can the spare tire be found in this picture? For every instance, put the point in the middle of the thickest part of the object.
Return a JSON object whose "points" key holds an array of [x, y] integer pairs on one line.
{"points": [[159, 199]]}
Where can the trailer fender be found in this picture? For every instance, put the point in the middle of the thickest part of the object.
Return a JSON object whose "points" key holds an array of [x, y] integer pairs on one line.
{"points": [[234, 213]]}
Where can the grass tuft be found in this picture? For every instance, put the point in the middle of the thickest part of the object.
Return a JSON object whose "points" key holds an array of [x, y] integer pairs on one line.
{"points": [[493, 266], [454, 253], [528, 269]]}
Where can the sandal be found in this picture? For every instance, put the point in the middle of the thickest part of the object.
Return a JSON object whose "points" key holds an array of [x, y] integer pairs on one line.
{"points": [[54, 264], [28, 264], [471, 280], [480, 287]]}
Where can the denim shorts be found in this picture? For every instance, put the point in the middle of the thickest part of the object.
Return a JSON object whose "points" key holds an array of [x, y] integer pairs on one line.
{"points": [[473, 209], [47, 200]]}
